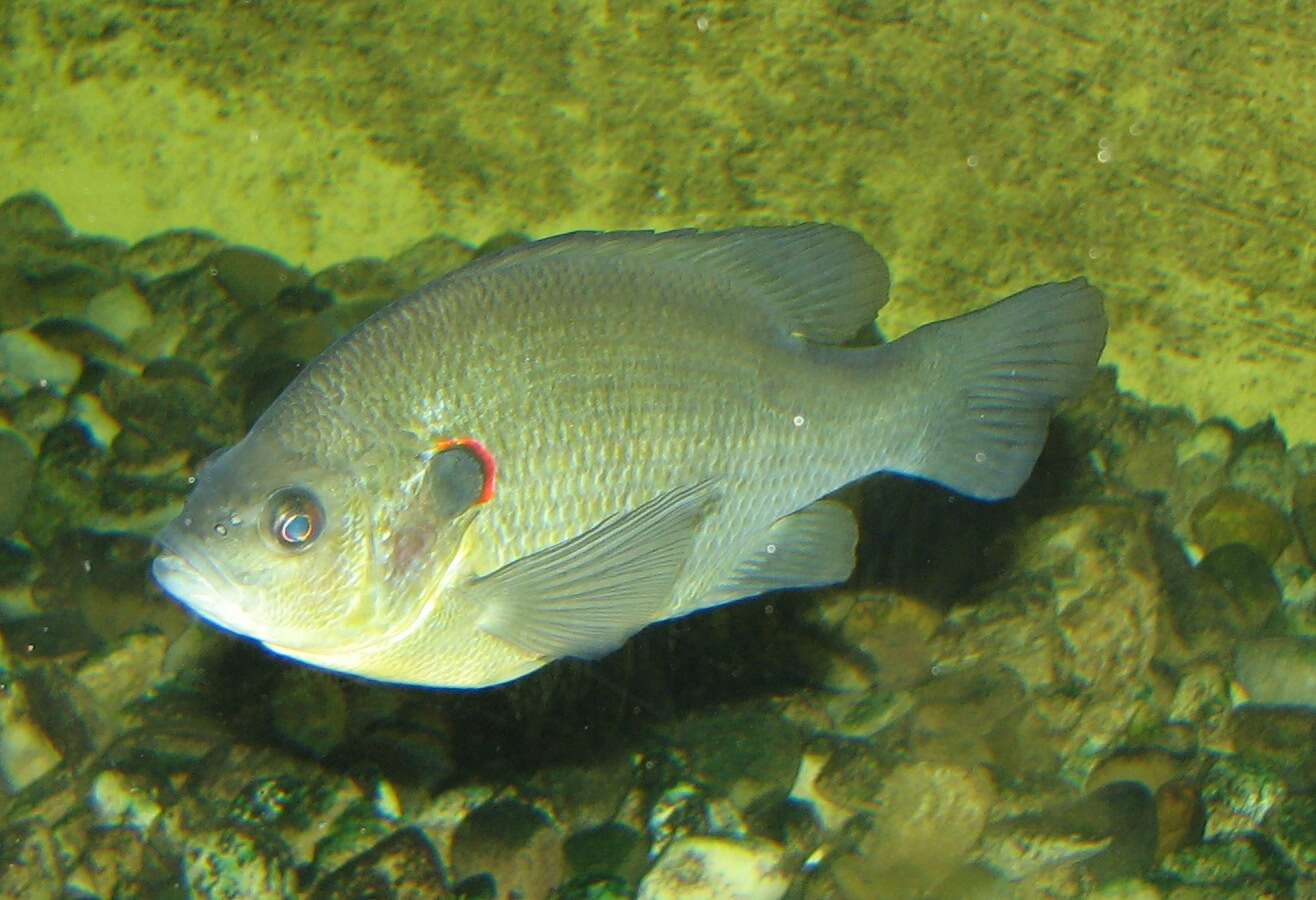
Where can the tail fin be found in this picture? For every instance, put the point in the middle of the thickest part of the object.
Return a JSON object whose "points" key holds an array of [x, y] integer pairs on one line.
{"points": [[992, 379]]}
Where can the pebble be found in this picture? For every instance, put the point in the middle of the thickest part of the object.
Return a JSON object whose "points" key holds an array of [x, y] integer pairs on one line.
{"points": [[514, 843], [1304, 513], [929, 816], [26, 357], [232, 863], [26, 753], [308, 710], [17, 469], [716, 868], [120, 312], [120, 798], [1233, 516], [31, 867], [404, 864], [252, 277], [1277, 671]]}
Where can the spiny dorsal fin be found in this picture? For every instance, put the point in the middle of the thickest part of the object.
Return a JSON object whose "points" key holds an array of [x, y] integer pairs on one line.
{"points": [[823, 282]]}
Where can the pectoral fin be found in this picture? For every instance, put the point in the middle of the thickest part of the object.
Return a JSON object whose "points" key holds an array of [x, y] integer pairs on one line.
{"points": [[587, 595]]}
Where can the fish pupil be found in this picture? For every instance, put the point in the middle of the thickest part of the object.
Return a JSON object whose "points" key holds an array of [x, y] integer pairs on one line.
{"points": [[295, 518], [296, 528]]}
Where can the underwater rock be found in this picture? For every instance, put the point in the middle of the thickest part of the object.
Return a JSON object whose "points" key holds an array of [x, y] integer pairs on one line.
{"points": [[1247, 581], [514, 843], [125, 672], [32, 215], [1077, 619], [368, 283], [1292, 826], [1278, 671], [892, 632], [251, 277], [588, 794], [27, 360], [403, 866], [29, 862], [120, 312], [357, 827], [1238, 794], [36, 412], [85, 341], [927, 817], [1260, 465], [1149, 443], [610, 849], [428, 259], [26, 752], [126, 799], [1022, 847], [748, 757], [1243, 866], [18, 465], [1180, 816], [232, 863], [308, 710], [1233, 516], [19, 308], [715, 868], [114, 863], [169, 252], [1279, 737], [1304, 512]]}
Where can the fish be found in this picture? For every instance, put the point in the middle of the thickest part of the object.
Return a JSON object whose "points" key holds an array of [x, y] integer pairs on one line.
{"points": [[549, 449]]}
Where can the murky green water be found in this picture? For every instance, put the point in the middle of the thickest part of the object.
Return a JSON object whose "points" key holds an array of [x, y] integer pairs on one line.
{"points": [[1103, 687]]}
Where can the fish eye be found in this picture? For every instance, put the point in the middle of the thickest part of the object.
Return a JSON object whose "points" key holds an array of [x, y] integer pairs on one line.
{"points": [[294, 517]]}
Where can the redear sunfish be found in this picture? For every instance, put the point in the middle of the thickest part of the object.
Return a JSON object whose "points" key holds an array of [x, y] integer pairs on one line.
{"points": [[545, 451]]}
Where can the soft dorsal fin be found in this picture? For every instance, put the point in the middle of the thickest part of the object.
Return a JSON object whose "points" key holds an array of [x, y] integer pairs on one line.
{"points": [[588, 594], [824, 282]]}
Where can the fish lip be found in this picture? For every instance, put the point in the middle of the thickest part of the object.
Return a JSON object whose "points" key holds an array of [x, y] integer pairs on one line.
{"points": [[186, 572]]}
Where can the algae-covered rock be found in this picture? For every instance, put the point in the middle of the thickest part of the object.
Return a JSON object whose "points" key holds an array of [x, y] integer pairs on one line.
{"points": [[514, 843], [1304, 512], [26, 751], [1278, 671], [17, 467], [1233, 516], [611, 849], [29, 862], [1244, 865], [168, 252], [308, 710], [1238, 793], [746, 756], [715, 868], [234, 863], [251, 277], [403, 865], [928, 817], [1247, 581], [31, 214]]}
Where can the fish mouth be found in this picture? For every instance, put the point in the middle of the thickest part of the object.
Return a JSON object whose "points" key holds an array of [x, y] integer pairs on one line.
{"points": [[187, 573]]}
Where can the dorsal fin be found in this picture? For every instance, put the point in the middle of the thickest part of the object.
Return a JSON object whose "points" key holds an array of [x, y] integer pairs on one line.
{"points": [[824, 282]]}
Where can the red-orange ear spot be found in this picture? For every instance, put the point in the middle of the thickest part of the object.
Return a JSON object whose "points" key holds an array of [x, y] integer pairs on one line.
{"points": [[482, 455]]}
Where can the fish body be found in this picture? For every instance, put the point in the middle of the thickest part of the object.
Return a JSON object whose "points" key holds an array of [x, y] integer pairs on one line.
{"points": [[543, 452]]}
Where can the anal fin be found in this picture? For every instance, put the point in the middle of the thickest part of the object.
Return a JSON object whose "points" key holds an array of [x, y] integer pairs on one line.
{"points": [[808, 548]]}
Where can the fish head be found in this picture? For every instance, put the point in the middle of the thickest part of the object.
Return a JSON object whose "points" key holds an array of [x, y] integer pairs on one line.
{"points": [[324, 561], [272, 545]]}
